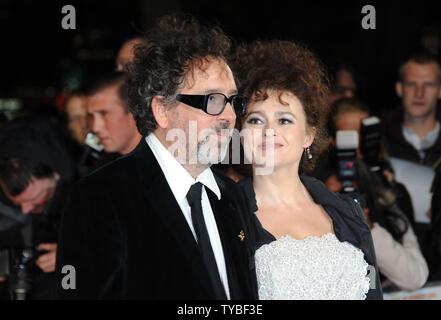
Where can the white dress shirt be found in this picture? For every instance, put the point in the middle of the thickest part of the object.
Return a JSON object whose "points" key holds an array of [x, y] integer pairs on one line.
{"points": [[421, 143], [418, 181], [180, 182]]}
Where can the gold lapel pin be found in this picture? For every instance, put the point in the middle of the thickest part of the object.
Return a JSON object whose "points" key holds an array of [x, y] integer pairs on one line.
{"points": [[241, 236]]}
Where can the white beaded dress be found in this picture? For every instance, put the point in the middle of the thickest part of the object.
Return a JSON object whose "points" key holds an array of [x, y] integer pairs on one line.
{"points": [[335, 266], [314, 268]]}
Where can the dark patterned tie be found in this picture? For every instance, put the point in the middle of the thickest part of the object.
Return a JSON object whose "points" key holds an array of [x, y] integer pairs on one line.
{"points": [[194, 200]]}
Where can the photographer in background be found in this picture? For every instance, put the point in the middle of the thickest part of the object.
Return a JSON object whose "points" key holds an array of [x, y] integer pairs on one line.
{"points": [[388, 208], [35, 173], [413, 141]]}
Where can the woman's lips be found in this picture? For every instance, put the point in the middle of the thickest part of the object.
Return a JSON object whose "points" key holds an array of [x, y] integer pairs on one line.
{"points": [[265, 145]]}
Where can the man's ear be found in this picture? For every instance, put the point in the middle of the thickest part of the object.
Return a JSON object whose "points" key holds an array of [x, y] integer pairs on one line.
{"points": [[399, 88], [159, 110]]}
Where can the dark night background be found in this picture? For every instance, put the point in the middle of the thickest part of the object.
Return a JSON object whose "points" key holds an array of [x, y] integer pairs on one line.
{"points": [[39, 58]]}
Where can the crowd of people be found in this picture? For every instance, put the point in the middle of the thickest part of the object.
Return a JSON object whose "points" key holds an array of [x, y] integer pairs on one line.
{"points": [[130, 190]]}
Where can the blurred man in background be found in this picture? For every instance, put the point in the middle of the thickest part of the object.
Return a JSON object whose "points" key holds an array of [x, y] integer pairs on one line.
{"points": [[109, 117], [84, 155], [343, 81], [126, 53], [76, 111], [35, 176], [413, 129]]}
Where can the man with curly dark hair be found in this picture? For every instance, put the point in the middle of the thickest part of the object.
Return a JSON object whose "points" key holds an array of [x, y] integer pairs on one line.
{"points": [[158, 223]]}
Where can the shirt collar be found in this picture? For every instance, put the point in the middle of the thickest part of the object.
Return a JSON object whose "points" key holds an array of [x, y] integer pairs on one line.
{"points": [[426, 142], [177, 177]]}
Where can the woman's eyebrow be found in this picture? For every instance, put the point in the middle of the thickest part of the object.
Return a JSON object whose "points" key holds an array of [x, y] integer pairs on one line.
{"points": [[253, 112], [283, 113]]}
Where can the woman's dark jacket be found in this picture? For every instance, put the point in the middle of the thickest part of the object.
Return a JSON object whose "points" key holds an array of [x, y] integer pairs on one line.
{"points": [[348, 221]]}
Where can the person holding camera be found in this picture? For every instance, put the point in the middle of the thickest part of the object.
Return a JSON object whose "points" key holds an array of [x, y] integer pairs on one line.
{"points": [[35, 174], [388, 208]]}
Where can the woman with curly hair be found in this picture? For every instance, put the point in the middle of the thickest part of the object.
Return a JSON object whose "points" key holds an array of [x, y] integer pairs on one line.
{"points": [[310, 243]]}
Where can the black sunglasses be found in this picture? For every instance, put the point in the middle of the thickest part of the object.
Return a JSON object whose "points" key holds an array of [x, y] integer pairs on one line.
{"points": [[214, 103]]}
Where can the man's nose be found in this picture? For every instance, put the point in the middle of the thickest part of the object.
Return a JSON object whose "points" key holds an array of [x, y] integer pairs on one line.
{"points": [[84, 124], [420, 90], [96, 124], [228, 114], [26, 208]]}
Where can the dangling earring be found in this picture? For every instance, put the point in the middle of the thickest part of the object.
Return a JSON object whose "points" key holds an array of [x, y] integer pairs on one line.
{"points": [[308, 154]]}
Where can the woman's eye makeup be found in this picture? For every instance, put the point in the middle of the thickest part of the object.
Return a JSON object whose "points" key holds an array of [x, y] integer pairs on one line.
{"points": [[285, 121], [282, 119], [254, 120]]}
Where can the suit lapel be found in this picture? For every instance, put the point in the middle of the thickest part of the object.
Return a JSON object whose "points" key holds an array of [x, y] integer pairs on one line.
{"points": [[164, 205], [229, 229]]}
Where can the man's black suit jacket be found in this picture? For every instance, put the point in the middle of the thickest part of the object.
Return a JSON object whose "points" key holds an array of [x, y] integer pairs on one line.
{"points": [[126, 238]]}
